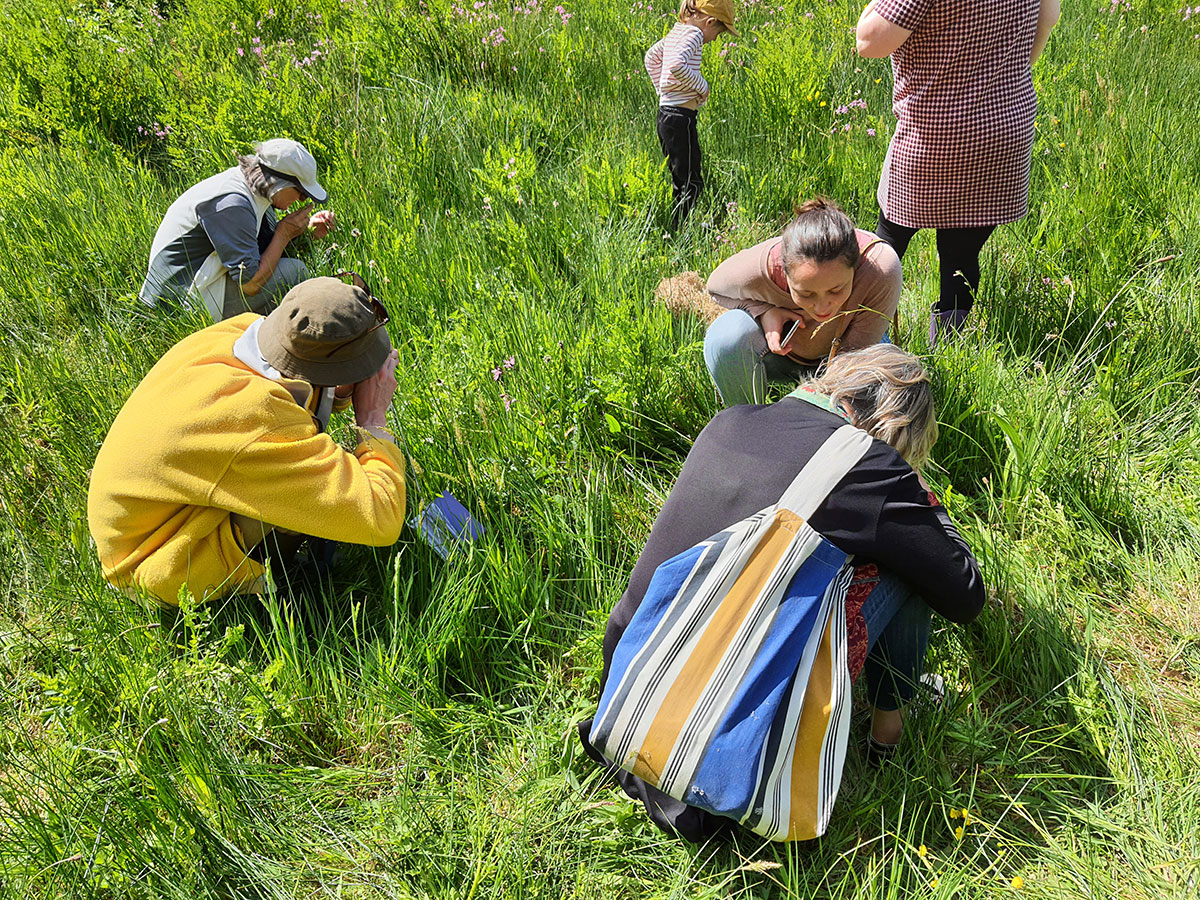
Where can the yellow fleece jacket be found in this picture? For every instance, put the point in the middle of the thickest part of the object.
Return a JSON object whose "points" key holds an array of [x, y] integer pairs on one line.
{"points": [[204, 436]]}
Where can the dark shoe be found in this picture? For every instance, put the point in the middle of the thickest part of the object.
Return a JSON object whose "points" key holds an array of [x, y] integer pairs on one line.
{"points": [[316, 560], [878, 752], [943, 323]]}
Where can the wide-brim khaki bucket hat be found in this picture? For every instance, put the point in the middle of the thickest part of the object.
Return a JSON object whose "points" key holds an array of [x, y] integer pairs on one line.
{"points": [[326, 332]]}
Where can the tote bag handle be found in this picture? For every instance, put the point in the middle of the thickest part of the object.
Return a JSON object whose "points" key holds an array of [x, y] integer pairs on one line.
{"points": [[829, 465]]}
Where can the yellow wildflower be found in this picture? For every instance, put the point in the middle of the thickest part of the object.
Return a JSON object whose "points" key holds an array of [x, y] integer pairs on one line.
{"points": [[823, 103], [966, 816], [954, 813], [922, 852], [958, 832], [1018, 882], [934, 883]]}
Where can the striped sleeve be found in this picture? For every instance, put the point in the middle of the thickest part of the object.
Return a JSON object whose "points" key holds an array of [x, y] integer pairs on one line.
{"points": [[681, 79], [653, 62]]}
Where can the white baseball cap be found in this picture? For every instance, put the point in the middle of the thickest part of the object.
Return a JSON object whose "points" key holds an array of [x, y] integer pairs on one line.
{"points": [[290, 158]]}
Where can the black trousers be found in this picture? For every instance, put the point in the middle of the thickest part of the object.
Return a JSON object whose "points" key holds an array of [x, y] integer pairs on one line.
{"points": [[680, 144], [958, 259]]}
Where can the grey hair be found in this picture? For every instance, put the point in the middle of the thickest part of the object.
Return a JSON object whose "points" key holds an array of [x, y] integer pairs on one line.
{"points": [[820, 232], [261, 182], [889, 396]]}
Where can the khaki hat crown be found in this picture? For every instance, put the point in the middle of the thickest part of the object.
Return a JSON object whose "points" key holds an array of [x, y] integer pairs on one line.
{"points": [[325, 332]]}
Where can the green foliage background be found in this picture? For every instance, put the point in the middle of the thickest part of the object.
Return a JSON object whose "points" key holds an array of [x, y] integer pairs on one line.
{"points": [[408, 732]]}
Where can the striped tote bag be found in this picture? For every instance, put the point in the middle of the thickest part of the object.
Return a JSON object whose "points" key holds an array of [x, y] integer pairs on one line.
{"points": [[729, 690]]}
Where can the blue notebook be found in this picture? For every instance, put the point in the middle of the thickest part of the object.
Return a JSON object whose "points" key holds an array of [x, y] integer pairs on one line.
{"points": [[445, 525]]}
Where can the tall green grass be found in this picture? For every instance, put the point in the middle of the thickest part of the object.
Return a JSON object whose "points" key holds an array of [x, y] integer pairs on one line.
{"points": [[406, 729]]}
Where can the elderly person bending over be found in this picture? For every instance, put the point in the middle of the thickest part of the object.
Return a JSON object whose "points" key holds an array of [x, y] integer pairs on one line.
{"points": [[220, 240], [909, 559], [223, 442], [820, 288]]}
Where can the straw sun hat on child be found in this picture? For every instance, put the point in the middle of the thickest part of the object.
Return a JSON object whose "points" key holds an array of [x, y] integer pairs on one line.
{"points": [[721, 10]]}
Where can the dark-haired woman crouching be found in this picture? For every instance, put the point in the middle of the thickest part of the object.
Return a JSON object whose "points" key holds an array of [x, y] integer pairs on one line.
{"points": [[839, 283]]}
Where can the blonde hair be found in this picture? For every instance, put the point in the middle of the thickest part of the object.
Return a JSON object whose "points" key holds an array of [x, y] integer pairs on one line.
{"points": [[687, 8], [889, 396]]}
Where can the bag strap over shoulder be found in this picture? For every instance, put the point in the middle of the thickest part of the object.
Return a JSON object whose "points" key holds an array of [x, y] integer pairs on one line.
{"points": [[829, 465]]}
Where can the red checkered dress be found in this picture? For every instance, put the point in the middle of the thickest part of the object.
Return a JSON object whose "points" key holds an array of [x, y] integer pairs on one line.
{"points": [[965, 102]]}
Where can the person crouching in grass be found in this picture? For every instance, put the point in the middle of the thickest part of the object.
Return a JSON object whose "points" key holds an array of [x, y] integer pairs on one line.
{"points": [[673, 65], [219, 460]]}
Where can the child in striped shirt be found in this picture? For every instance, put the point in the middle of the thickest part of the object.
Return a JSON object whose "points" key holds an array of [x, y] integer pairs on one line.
{"points": [[673, 64]]}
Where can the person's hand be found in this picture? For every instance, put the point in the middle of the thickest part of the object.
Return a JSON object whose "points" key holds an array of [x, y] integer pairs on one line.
{"points": [[322, 222], [294, 224], [373, 395], [775, 321]]}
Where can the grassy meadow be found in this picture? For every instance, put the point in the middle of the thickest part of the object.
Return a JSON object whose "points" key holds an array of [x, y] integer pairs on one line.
{"points": [[407, 730]]}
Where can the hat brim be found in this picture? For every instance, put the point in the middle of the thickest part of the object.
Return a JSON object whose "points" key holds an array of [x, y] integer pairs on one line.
{"points": [[729, 27], [377, 346], [315, 191]]}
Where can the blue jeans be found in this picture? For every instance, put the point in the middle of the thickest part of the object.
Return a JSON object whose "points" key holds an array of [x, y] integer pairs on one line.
{"points": [[897, 636], [735, 351], [741, 365]]}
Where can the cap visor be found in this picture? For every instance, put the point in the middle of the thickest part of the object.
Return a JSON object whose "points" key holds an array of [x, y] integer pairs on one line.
{"points": [[315, 191], [731, 29]]}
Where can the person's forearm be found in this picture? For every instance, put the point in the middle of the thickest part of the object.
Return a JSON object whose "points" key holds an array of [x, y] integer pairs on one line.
{"points": [[370, 418], [754, 307], [266, 265], [1047, 18]]}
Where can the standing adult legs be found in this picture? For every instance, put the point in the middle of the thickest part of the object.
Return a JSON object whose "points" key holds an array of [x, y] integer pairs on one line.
{"points": [[958, 270], [958, 265], [896, 235]]}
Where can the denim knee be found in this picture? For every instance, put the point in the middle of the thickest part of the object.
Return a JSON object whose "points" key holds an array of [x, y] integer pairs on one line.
{"points": [[898, 633], [733, 351]]}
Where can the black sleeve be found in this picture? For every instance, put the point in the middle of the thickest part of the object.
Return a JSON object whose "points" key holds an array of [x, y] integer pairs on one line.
{"points": [[881, 512], [266, 231]]}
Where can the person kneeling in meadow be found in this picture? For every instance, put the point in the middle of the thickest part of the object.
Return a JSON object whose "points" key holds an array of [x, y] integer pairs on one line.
{"points": [[820, 288], [220, 240], [221, 450], [673, 65], [898, 558]]}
